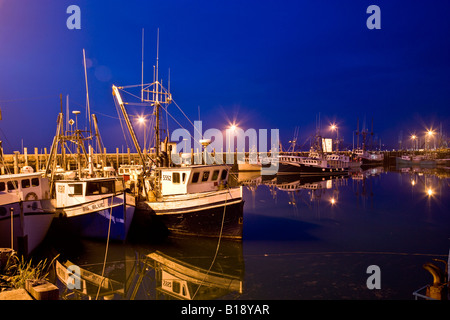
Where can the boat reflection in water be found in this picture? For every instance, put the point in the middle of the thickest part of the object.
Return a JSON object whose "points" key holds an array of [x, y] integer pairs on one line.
{"points": [[193, 269], [300, 244], [198, 270], [314, 187]]}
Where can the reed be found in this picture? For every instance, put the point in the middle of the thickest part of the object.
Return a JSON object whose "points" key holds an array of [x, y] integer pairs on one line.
{"points": [[17, 271]]}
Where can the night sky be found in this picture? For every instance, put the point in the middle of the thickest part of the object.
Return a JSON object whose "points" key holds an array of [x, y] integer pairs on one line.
{"points": [[262, 64]]}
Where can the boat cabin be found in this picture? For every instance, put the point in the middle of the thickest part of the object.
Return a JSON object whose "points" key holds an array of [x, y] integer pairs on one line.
{"points": [[304, 160], [74, 192], [23, 186], [193, 179]]}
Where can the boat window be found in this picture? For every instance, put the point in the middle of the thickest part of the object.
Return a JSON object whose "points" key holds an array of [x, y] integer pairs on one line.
{"points": [[205, 176], [118, 185], [224, 174], [35, 182], [25, 183], [195, 177], [176, 177], [107, 187], [176, 287], [75, 189], [12, 185], [215, 175], [2, 186], [184, 177], [93, 188]]}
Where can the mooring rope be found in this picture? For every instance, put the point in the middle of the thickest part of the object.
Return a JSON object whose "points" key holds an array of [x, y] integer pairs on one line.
{"points": [[218, 244], [106, 250]]}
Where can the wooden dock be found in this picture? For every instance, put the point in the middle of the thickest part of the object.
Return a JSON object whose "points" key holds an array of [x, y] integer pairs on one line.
{"points": [[14, 162]]}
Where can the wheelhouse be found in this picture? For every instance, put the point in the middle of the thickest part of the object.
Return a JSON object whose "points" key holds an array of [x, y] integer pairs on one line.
{"points": [[23, 187], [74, 192], [182, 180]]}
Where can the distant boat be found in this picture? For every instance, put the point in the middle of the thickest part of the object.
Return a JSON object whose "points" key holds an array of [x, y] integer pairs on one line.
{"points": [[312, 165], [247, 165], [337, 160], [25, 210], [369, 158], [411, 160]]}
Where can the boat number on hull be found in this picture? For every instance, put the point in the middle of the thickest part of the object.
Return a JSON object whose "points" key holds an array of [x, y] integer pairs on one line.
{"points": [[167, 177], [94, 206]]}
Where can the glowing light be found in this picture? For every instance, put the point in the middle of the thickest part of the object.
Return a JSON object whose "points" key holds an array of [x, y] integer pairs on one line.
{"points": [[413, 183], [233, 127], [430, 133], [333, 127], [413, 137], [430, 192], [333, 201], [141, 120]]}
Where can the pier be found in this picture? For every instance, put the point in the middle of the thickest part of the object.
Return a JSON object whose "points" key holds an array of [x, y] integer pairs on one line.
{"points": [[14, 162]]}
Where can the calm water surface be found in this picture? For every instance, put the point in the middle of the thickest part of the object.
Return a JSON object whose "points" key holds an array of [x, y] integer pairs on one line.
{"points": [[302, 240]]}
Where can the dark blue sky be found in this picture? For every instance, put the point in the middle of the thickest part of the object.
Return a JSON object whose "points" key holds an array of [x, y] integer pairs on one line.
{"points": [[266, 64]]}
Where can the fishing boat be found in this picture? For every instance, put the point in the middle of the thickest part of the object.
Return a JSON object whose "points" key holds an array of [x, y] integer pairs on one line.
{"points": [[188, 199], [415, 160], [312, 165], [90, 201], [369, 158], [25, 210], [95, 207], [337, 160]]}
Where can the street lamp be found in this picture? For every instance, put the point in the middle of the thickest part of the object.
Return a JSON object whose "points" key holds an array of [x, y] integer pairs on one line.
{"points": [[429, 135], [413, 138], [141, 120], [335, 127], [233, 128]]}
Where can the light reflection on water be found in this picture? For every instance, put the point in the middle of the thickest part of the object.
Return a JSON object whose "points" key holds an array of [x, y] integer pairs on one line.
{"points": [[303, 239]]}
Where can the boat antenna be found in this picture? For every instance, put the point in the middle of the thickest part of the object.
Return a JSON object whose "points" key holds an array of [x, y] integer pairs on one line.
{"points": [[88, 110]]}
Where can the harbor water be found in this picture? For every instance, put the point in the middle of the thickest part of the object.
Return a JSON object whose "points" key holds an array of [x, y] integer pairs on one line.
{"points": [[303, 239]]}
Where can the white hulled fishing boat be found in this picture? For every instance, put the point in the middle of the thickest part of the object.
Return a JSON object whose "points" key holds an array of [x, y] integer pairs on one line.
{"points": [[91, 202], [25, 211], [187, 199]]}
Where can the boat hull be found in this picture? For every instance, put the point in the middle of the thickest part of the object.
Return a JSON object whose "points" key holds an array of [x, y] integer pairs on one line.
{"points": [[288, 168], [31, 221], [249, 167], [93, 219], [211, 214], [421, 163]]}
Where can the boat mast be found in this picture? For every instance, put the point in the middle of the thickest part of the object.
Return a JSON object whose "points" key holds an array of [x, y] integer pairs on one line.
{"points": [[157, 105], [118, 97], [88, 110]]}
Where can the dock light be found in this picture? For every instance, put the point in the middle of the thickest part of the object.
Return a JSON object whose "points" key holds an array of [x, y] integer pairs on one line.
{"points": [[141, 120], [233, 127], [333, 201], [413, 137], [333, 127], [430, 192], [430, 133]]}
